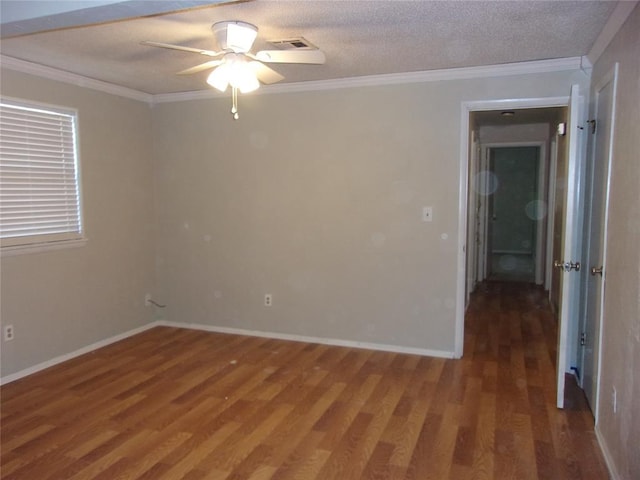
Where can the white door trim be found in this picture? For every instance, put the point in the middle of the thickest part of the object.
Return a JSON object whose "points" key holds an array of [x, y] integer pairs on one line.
{"points": [[611, 76], [465, 109], [473, 230], [484, 187], [553, 165]]}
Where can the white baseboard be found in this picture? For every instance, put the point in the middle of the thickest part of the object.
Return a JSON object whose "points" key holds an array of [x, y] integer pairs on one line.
{"points": [[235, 331], [613, 472], [308, 339], [68, 356]]}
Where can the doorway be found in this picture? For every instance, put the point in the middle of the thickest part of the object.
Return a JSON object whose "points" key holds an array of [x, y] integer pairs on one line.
{"points": [[514, 214], [568, 174], [593, 291]]}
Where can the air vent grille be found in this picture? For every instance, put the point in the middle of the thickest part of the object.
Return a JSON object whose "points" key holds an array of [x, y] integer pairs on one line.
{"points": [[299, 43]]}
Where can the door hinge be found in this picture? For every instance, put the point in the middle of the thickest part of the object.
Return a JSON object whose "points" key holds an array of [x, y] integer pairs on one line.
{"points": [[583, 339], [593, 125]]}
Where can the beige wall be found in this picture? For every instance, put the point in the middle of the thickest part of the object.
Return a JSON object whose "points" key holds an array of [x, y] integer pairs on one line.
{"points": [[533, 132], [60, 301], [316, 198], [313, 197], [620, 432]]}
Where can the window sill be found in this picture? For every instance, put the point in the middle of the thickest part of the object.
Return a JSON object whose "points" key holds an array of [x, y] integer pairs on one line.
{"points": [[12, 250]]}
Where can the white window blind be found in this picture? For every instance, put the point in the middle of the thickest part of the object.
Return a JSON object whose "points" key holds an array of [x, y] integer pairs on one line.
{"points": [[39, 191]]}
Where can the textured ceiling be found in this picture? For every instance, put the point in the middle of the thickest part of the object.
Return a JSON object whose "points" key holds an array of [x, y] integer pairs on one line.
{"points": [[358, 37]]}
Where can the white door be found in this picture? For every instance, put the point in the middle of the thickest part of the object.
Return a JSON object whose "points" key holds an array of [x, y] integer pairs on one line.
{"points": [[605, 97], [571, 243]]}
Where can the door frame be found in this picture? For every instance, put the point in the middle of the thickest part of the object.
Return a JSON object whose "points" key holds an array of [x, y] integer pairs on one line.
{"points": [[610, 77], [465, 110], [551, 207], [473, 232]]}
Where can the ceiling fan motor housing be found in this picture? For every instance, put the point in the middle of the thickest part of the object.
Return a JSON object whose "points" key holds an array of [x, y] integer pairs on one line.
{"points": [[235, 36]]}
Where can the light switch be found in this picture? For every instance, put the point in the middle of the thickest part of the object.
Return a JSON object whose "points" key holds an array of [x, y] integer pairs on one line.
{"points": [[427, 214]]}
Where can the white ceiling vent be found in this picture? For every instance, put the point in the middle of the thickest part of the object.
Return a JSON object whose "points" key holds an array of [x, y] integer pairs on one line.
{"points": [[299, 43]]}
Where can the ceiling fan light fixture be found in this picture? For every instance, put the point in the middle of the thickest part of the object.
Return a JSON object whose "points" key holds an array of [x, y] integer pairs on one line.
{"points": [[235, 36], [234, 71], [237, 72], [232, 66], [242, 77], [219, 78], [248, 84]]}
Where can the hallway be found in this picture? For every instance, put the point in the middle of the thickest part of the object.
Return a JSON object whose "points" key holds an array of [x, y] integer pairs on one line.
{"points": [[510, 340]]}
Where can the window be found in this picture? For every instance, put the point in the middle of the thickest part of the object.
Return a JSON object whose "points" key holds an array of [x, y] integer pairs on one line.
{"points": [[39, 181]]}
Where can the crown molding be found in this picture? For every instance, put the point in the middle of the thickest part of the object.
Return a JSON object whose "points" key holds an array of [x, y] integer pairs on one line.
{"points": [[521, 68], [11, 63]]}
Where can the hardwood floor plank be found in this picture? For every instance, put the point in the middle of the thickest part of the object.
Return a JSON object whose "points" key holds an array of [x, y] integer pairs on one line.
{"points": [[343, 451], [305, 460], [354, 397], [153, 453], [420, 464], [99, 462], [412, 427], [442, 456], [196, 453], [175, 403], [378, 464], [463, 451], [380, 405], [286, 442], [483, 451]]}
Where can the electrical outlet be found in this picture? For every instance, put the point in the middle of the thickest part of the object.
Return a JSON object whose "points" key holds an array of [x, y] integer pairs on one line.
{"points": [[268, 300], [8, 333], [147, 300]]}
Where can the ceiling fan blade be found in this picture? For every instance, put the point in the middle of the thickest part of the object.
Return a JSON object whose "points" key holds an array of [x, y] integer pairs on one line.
{"points": [[266, 75], [209, 53], [315, 57], [200, 68]]}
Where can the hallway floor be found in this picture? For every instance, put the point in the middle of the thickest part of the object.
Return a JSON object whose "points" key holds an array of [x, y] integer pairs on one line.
{"points": [[510, 340], [512, 267]]}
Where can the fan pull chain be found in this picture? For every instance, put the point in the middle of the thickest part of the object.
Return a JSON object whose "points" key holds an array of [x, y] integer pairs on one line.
{"points": [[234, 103]]}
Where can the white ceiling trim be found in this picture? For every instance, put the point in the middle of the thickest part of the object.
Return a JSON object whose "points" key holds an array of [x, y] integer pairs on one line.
{"points": [[521, 68], [50, 73]]}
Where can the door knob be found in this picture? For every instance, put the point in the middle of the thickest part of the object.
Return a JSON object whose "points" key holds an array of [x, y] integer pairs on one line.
{"points": [[596, 271], [567, 266]]}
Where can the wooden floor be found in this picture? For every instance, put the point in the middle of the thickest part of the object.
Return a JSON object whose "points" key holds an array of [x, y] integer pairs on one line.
{"points": [[183, 404]]}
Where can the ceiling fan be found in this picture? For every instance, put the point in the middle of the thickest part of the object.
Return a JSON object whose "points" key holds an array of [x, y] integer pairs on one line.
{"points": [[235, 65]]}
